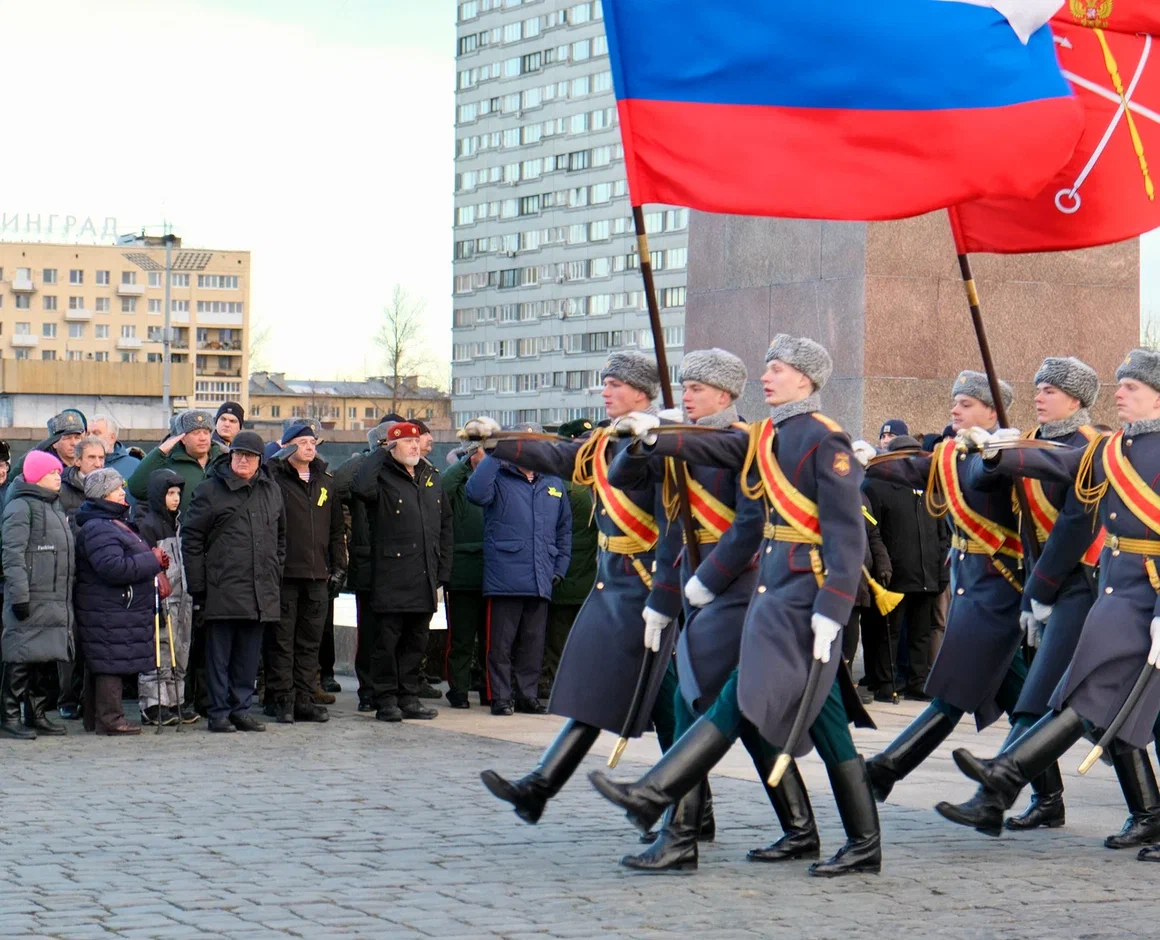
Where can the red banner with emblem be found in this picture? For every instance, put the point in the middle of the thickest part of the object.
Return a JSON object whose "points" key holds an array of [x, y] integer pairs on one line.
{"points": [[1107, 192]]}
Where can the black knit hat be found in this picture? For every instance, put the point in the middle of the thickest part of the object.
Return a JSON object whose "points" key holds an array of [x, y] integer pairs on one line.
{"points": [[231, 408]]}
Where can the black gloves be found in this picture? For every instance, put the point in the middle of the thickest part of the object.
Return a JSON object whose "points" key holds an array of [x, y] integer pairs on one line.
{"points": [[335, 583], [22, 610], [198, 601], [557, 580]]}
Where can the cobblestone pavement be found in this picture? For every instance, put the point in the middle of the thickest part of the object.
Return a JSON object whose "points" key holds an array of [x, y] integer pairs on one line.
{"points": [[359, 829]]}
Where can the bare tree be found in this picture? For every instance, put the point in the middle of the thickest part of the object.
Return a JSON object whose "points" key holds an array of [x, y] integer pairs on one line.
{"points": [[258, 346], [400, 339]]}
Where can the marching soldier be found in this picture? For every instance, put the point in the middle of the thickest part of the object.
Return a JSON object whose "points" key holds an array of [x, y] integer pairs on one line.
{"points": [[980, 668], [799, 463], [717, 594], [1122, 629], [1067, 388], [604, 654]]}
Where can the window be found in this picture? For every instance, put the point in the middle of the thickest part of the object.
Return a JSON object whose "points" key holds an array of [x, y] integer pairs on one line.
{"points": [[673, 297], [351, 412], [102, 305], [155, 279], [76, 331], [128, 277], [48, 330], [578, 159], [182, 306], [218, 281], [580, 87], [76, 276], [49, 275], [256, 411], [153, 357], [210, 306], [102, 331], [21, 354], [23, 302], [202, 335], [128, 331], [601, 81], [154, 334], [179, 280], [368, 412], [102, 277], [224, 362], [275, 411], [24, 328], [76, 303], [155, 306], [676, 258], [581, 50], [48, 354], [49, 302], [74, 355], [128, 357], [101, 357], [128, 305]]}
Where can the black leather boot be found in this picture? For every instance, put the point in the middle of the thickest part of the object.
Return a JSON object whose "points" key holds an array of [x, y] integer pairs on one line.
{"points": [[1044, 743], [1134, 770], [675, 848], [1150, 853], [916, 743], [34, 711], [863, 849], [1046, 810], [791, 802], [13, 688], [683, 766], [529, 795], [708, 823], [984, 811]]}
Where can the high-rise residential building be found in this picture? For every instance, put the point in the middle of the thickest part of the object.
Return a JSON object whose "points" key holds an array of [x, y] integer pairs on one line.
{"points": [[547, 279], [82, 326]]}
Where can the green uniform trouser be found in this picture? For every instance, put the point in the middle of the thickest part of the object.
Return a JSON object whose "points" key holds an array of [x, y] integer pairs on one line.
{"points": [[560, 620], [830, 731], [466, 623], [1006, 698], [664, 714]]}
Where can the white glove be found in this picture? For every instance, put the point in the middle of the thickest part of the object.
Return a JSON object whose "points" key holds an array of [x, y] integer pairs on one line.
{"points": [[676, 415], [1032, 627], [480, 429], [1003, 434], [972, 438], [638, 424], [825, 632], [654, 626], [1042, 612], [1154, 652], [863, 452], [697, 594]]}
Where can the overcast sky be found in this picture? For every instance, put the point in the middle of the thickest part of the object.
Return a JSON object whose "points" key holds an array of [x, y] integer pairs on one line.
{"points": [[316, 133]]}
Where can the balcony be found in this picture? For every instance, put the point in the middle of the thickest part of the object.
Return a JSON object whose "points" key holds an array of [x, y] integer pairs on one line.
{"points": [[179, 316], [205, 372], [130, 290], [78, 315], [22, 285], [224, 319], [25, 340], [233, 346], [129, 342]]}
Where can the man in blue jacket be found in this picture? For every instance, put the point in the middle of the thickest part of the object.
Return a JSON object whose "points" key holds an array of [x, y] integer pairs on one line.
{"points": [[527, 543]]}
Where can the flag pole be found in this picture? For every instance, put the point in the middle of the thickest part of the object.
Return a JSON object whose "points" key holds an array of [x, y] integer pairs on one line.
{"points": [[1031, 546], [692, 547]]}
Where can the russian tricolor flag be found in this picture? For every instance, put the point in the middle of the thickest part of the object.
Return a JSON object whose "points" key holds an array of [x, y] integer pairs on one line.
{"points": [[837, 109]]}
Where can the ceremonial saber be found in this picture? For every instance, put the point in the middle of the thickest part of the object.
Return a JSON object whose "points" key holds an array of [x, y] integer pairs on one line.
{"points": [[1106, 739], [785, 758], [685, 511]]}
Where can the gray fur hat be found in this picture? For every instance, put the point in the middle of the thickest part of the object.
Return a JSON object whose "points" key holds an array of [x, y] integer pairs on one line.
{"points": [[975, 384], [193, 420], [1143, 365], [635, 369], [715, 367], [100, 483], [312, 423], [378, 434], [67, 422], [1070, 375], [805, 355]]}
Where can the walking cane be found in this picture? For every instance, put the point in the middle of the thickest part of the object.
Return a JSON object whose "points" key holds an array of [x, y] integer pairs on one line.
{"points": [[785, 758], [1129, 705], [157, 649], [172, 663]]}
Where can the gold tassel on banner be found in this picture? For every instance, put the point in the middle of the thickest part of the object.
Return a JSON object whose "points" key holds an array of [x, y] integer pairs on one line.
{"points": [[884, 600]]}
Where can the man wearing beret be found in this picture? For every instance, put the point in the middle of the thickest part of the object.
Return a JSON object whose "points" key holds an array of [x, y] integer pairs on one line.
{"points": [[189, 452], [315, 560], [227, 423], [411, 535]]}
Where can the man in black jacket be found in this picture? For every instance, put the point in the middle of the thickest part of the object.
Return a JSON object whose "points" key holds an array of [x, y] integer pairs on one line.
{"points": [[234, 541], [411, 539], [315, 558], [918, 545]]}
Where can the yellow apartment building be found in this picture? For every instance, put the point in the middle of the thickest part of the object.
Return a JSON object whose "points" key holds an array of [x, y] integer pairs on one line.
{"points": [[342, 406], [82, 326]]}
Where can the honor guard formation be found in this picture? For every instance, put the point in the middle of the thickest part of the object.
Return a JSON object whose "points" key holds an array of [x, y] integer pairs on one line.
{"points": [[1053, 622]]}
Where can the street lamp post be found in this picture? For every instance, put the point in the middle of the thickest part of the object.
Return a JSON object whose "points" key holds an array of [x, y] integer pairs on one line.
{"points": [[166, 403]]}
